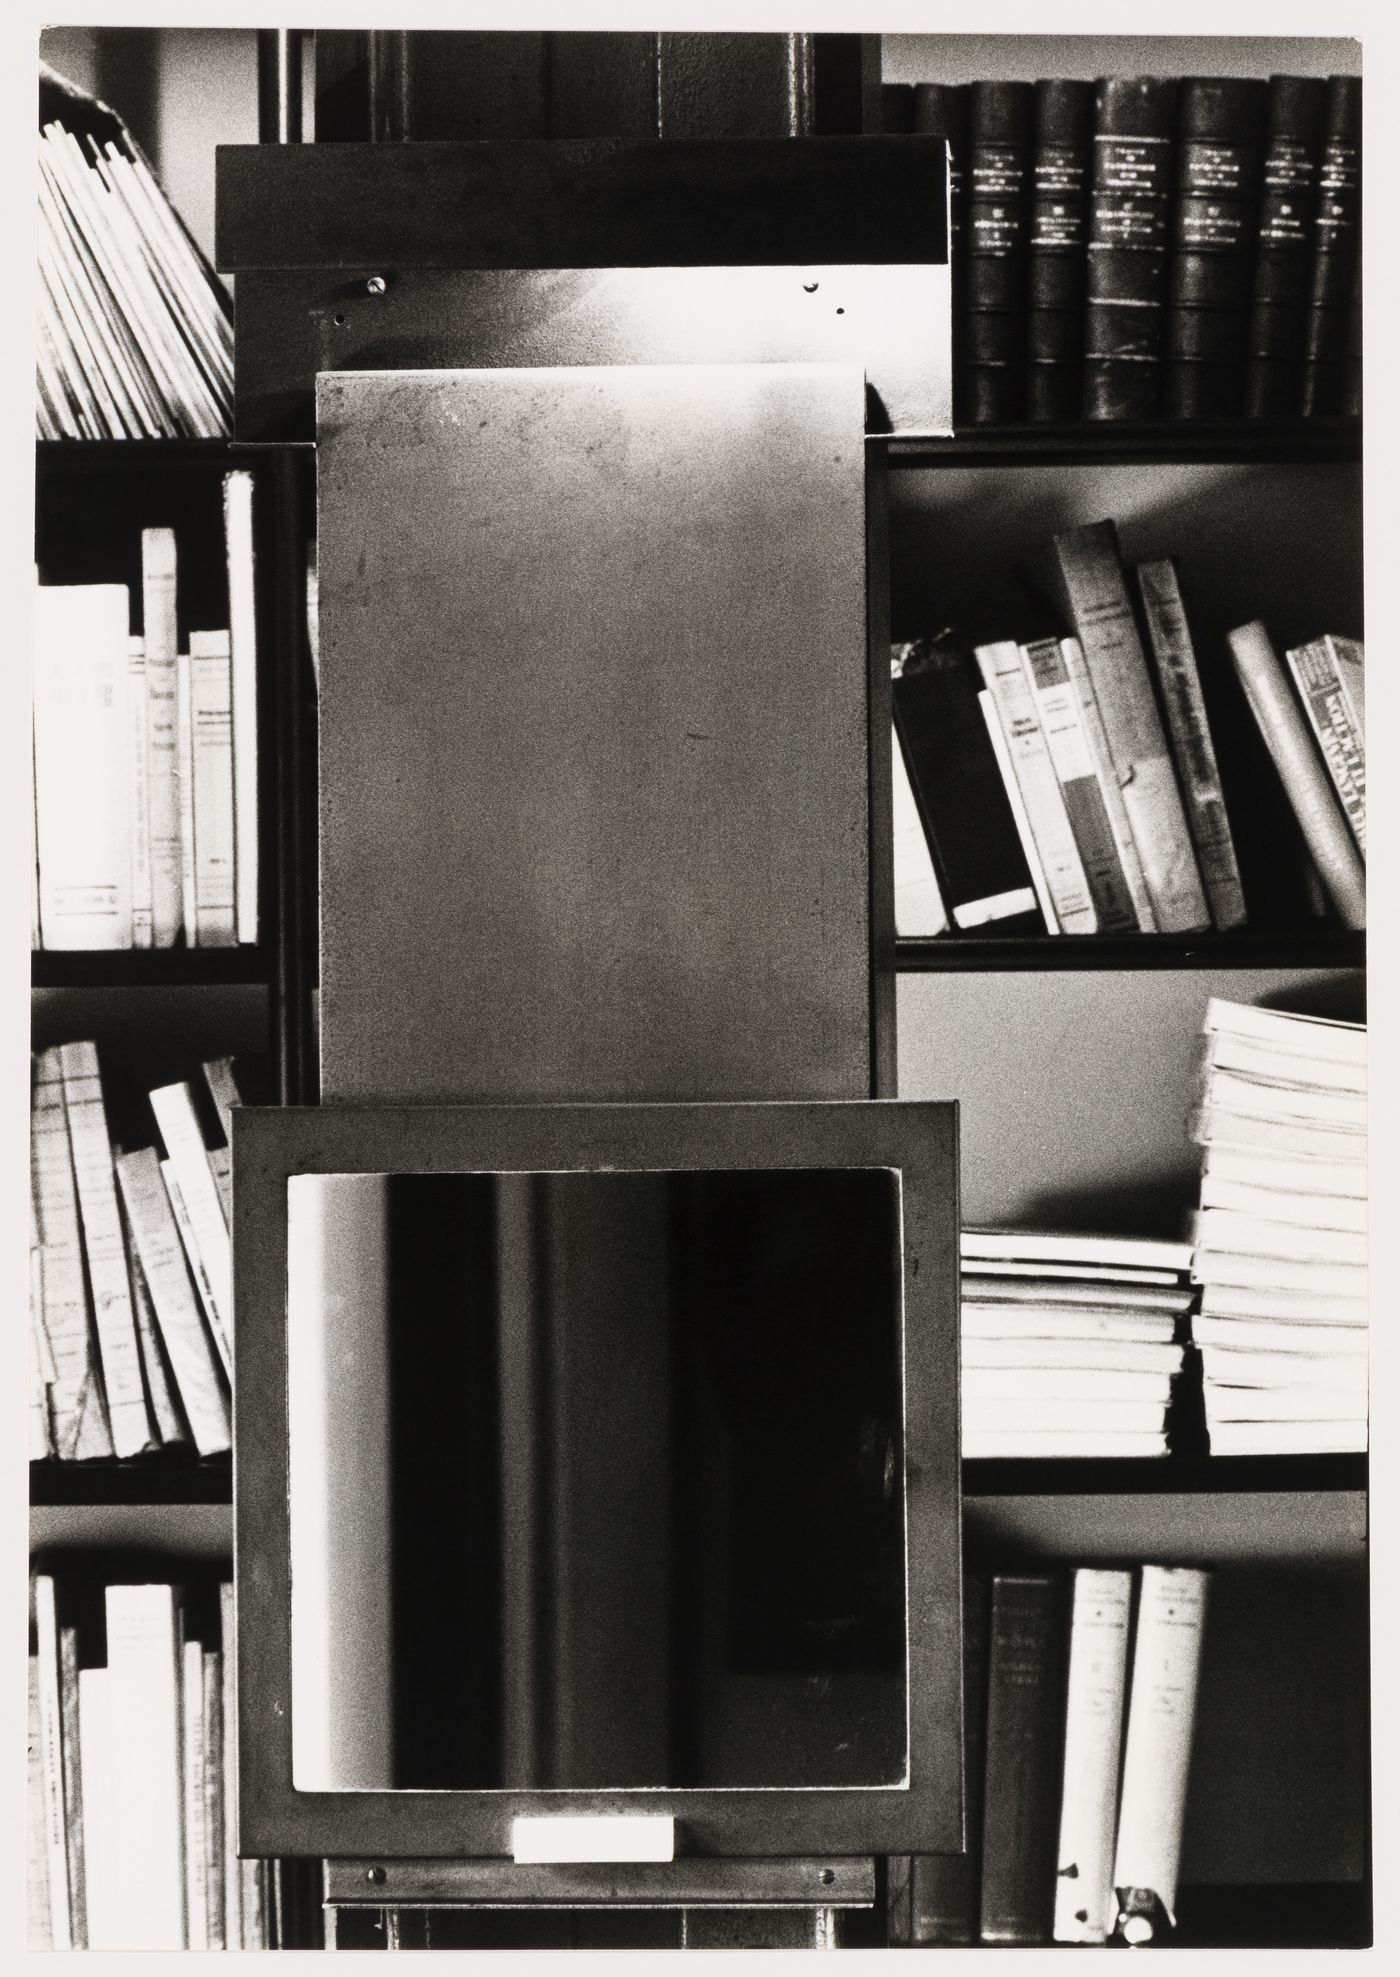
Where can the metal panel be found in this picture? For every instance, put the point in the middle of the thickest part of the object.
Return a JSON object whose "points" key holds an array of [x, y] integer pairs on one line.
{"points": [[920, 1141], [379, 1883], [595, 800]]}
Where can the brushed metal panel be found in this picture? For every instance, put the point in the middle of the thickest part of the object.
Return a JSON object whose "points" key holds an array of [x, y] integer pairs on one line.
{"points": [[594, 733]]}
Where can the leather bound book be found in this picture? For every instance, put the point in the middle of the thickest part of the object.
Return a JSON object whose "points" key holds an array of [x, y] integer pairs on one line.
{"points": [[998, 233], [1025, 1705], [945, 110], [1215, 223], [1061, 162], [1283, 257], [1336, 239], [1135, 121], [1351, 368]]}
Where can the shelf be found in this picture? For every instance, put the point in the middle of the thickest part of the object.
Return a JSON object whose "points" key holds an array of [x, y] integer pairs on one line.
{"points": [[1320, 947], [1244, 442], [1300, 1915], [99, 1484], [1163, 1475], [145, 967]]}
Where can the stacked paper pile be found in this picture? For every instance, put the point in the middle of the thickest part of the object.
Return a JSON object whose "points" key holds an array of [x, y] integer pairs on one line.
{"points": [[1069, 1342], [1281, 1236]]}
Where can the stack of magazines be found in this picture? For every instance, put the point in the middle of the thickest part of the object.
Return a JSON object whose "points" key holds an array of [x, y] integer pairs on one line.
{"points": [[1281, 1235]]}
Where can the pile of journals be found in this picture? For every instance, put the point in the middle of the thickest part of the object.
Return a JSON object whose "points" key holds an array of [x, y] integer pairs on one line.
{"points": [[1069, 1342], [1281, 1235]]}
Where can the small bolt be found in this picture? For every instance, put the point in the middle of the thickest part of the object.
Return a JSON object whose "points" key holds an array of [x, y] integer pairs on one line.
{"points": [[376, 285], [826, 1877], [809, 288], [374, 1875]]}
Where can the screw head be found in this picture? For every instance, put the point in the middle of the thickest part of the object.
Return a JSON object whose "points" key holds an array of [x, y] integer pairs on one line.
{"points": [[376, 285], [374, 1875]]}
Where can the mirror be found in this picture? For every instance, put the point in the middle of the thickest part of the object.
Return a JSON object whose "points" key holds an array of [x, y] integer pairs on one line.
{"points": [[596, 1479]]}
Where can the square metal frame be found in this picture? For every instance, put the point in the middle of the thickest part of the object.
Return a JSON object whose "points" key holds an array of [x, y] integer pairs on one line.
{"points": [[924, 1812]]}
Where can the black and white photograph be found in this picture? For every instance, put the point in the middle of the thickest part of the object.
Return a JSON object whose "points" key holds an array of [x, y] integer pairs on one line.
{"points": [[689, 773]]}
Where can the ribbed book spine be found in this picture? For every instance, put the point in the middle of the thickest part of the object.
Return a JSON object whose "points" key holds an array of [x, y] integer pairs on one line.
{"points": [[1179, 678], [1284, 250], [1025, 1695], [999, 163], [1336, 246], [945, 110], [1220, 156], [1135, 119], [1062, 158]]}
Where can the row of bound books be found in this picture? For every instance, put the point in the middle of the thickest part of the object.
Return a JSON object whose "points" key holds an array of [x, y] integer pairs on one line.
{"points": [[130, 1310], [1079, 1707], [1280, 1240], [131, 1810], [145, 757], [1146, 246], [1112, 778], [135, 333]]}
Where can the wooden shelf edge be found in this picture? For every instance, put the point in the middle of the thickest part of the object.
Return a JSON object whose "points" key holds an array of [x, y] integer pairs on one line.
{"points": [[94, 1485], [1329, 947], [1203, 1475], [1278, 442]]}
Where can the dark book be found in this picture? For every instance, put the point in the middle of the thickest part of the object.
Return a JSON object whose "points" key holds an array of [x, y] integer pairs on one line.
{"points": [[1284, 248], [1059, 234], [1351, 370], [998, 237], [1135, 120], [896, 108], [1025, 1725], [972, 836], [1336, 244], [943, 1887], [1220, 156], [945, 110]]}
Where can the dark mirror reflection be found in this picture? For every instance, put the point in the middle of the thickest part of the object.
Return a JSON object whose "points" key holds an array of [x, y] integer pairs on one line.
{"points": [[597, 1480]]}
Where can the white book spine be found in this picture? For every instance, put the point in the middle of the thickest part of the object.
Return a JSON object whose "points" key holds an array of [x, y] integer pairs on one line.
{"points": [[1105, 1355], [1320, 1400], [184, 775], [184, 1142], [38, 1914], [1098, 1667], [918, 905], [78, 1410], [1322, 1211], [1280, 1335], [193, 1258], [1056, 700], [158, 582], [991, 1444], [80, 760], [1127, 1416], [138, 720], [214, 1799], [243, 641], [1029, 850], [1264, 1060], [51, 1732], [170, 1428], [1091, 720], [221, 1167], [1310, 1036], [211, 741], [162, 1256], [105, 1249], [233, 1881], [1342, 1282], [1260, 1168], [1039, 785], [1161, 1717], [103, 1812], [192, 1741], [1229, 1366], [1236, 1091], [73, 1785], [1219, 1229], [1288, 1438], [144, 1658]]}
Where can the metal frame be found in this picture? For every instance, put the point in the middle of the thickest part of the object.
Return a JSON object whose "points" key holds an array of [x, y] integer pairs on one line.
{"points": [[920, 1140]]}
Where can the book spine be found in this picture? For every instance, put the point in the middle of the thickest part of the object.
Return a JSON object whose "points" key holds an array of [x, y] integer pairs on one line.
{"points": [[944, 1888], [184, 774], [945, 110], [1169, 638], [233, 1883], [918, 905], [999, 164], [1343, 747], [243, 648], [1098, 1667], [211, 743], [1041, 794], [38, 1914], [1092, 722], [1283, 252], [1349, 659], [162, 1259], [222, 1081], [1161, 1716], [1336, 246], [144, 1660], [165, 1415], [214, 1904], [104, 1249], [1002, 753], [140, 797], [80, 744], [158, 581], [1226, 1229], [80, 1426], [1062, 159], [51, 1735], [1301, 771], [72, 1785], [1024, 1704], [1215, 222], [184, 1142], [1089, 578], [192, 1795], [1127, 253], [1057, 703]]}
